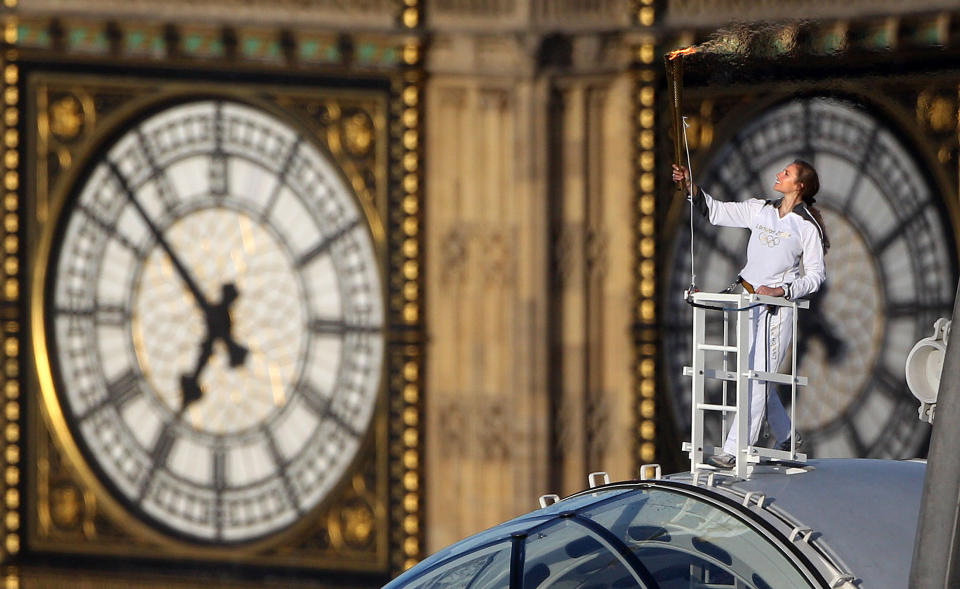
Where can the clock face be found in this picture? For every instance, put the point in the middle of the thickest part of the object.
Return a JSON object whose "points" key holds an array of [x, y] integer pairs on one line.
{"points": [[890, 274], [215, 319]]}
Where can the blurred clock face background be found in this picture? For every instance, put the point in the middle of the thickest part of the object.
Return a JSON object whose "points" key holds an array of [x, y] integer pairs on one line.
{"points": [[891, 272], [199, 200]]}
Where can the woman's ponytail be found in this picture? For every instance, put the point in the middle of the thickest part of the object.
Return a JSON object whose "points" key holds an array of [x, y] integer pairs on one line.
{"points": [[809, 187]]}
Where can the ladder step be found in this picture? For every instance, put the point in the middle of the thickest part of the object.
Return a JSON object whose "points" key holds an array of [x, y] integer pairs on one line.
{"points": [[777, 377], [731, 375], [688, 447], [709, 407], [712, 373], [716, 348], [778, 454]]}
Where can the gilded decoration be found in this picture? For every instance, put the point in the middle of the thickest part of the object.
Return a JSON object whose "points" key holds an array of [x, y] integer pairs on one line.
{"points": [[404, 227], [73, 513], [358, 133], [353, 525], [65, 506], [10, 309], [203, 42], [144, 40], [87, 37], [262, 45], [66, 119], [936, 112], [647, 336], [380, 14], [349, 130]]}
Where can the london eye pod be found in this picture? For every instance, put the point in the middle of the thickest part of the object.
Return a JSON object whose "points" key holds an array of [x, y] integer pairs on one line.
{"points": [[826, 523]]}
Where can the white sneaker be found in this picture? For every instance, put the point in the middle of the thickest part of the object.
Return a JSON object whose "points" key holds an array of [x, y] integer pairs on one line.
{"points": [[722, 460], [785, 445]]}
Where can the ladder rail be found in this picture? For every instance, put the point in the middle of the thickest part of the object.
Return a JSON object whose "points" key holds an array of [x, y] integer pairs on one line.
{"points": [[726, 366], [696, 396], [794, 383], [742, 421]]}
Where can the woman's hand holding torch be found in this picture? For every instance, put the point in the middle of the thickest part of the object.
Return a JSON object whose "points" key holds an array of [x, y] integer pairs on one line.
{"points": [[681, 175]]}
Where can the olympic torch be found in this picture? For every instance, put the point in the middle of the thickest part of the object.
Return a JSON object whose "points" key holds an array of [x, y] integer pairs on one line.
{"points": [[673, 62]]}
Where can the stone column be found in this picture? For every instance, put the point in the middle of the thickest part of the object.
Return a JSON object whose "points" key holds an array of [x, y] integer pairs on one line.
{"points": [[528, 212], [487, 410], [594, 423]]}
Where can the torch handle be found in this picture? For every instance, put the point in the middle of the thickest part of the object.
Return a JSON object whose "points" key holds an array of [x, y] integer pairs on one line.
{"points": [[674, 67]]}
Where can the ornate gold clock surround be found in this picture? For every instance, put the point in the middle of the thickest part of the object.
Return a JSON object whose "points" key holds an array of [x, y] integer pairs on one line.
{"points": [[369, 522]]}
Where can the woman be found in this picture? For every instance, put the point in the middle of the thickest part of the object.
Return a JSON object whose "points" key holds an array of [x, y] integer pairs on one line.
{"points": [[784, 259]]}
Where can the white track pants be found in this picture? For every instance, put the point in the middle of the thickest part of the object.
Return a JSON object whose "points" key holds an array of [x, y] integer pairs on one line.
{"points": [[770, 340]]}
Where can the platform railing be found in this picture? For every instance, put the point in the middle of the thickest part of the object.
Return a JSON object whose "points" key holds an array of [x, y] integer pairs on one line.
{"points": [[739, 305]]}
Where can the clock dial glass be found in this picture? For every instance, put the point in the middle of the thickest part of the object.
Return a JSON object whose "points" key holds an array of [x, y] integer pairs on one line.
{"points": [[890, 274], [216, 317]]}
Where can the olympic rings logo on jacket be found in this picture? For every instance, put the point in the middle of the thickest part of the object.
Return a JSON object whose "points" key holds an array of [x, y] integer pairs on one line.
{"points": [[769, 239]]}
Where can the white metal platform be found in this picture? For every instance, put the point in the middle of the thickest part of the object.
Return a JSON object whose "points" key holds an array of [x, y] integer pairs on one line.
{"points": [[740, 305]]}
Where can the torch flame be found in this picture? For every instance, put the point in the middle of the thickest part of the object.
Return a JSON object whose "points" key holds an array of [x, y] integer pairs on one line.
{"points": [[678, 52]]}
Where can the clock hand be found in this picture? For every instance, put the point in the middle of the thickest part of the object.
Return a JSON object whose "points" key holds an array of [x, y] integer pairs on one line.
{"points": [[181, 269], [217, 316], [219, 326]]}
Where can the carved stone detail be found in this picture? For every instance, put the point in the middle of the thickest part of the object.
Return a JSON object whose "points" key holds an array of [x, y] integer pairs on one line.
{"points": [[472, 7], [478, 254], [567, 253], [595, 420], [453, 424], [483, 53], [578, 248], [474, 426], [566, 11], [452, 97], [496, 249], [706, 13], [595, 252], [493, 433], [454, 255], [493, 99], [581, 426], [936, 111], [565, 14]]}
